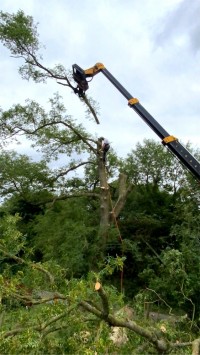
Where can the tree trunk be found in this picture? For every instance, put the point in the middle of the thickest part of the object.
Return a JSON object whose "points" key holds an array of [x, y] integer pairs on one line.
{"points": [[123, 192], [108, 213], [104, 199]]}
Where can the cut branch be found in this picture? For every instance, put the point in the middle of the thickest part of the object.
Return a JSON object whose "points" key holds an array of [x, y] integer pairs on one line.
{"points": [[104, 298], [196, 347], [157, 340], [85, 99]]}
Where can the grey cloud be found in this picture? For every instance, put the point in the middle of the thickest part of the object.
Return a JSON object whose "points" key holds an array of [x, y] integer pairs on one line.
{"points": [[183, 22]]}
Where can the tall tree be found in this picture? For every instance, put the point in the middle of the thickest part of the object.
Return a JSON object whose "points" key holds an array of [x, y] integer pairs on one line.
{"points": [[55, 134], [151, 163]]}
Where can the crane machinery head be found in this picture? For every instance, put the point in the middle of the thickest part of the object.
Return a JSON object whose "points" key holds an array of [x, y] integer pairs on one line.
{"points": [[80, 78]]}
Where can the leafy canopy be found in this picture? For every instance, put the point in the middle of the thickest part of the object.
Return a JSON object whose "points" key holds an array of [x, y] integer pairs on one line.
{"points": [[18, 33]]}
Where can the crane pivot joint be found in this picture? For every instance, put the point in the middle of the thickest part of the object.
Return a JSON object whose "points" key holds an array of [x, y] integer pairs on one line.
{"points": [[169, 139]]}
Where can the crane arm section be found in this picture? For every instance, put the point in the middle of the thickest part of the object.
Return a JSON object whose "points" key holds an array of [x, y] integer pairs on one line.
{"points": [[81, 76]]}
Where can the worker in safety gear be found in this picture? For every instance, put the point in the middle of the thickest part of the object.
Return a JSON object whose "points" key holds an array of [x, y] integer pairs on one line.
{"points": [[105, 146]]}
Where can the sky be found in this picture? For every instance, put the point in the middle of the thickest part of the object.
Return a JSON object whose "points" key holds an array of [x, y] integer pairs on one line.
{"points": [[151, 47]]}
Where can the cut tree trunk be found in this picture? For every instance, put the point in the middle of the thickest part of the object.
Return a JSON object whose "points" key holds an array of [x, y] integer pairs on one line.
{"points": [[104, 199]]}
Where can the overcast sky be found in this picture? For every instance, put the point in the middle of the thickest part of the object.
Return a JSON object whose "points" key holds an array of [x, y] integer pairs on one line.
{"points": [[151, 46]]}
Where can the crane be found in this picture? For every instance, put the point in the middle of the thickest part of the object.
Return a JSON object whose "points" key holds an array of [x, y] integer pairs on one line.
{"points": [[81, 78]]}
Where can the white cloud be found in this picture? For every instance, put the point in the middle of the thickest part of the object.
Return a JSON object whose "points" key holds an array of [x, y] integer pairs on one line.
{"points": [[148, 45]]}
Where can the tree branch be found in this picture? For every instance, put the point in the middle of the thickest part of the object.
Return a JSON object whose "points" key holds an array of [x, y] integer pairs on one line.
{"points": [[34, 301], [48, 71], [161, 344], [59, 77], [65, 197], [114, 322], [39, 328], [46, 272], [80, 136], [33, 265], [63, 173], [104, 299], [66, 124], [85, 99]]}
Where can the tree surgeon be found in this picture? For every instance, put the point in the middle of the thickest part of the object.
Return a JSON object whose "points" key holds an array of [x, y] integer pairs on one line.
{"points": [[105, 146]]}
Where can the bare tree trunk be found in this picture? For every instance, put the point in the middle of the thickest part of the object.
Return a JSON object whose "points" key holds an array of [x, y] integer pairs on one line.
{"points": [[123, 192], [104, 198], [108, 213]]}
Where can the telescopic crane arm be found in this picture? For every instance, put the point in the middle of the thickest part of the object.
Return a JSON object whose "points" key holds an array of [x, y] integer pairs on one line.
{"points": [[80, 76]]}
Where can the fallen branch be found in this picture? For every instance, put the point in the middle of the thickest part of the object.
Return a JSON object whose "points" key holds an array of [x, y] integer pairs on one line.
{"points": [[46, 272], [153, 336], [42, 328], [19, 260]]}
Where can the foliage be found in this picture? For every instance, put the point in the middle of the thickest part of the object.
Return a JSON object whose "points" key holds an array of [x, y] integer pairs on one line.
{"points": [[52, 304], [177, 276], [18, 33], [70, 239], [151, 163], [20, 175], [53, 219]]}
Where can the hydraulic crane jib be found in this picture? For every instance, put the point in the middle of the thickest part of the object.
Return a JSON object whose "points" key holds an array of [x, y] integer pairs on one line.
{"points": [[80, 77]]}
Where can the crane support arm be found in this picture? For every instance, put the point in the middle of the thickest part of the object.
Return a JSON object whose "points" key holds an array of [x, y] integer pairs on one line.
{"points": [[80, 76]]}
